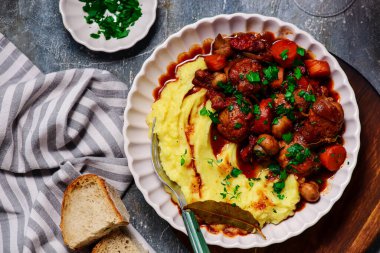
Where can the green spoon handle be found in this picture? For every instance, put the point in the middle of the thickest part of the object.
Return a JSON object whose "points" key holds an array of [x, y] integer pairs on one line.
{"points": [[195, 235]]}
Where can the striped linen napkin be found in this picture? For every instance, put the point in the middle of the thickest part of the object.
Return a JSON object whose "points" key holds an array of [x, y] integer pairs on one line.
{"points": [[53, 128]]}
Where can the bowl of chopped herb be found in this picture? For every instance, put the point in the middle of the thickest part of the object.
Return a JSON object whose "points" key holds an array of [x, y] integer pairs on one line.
{"points": [[108, 25]]}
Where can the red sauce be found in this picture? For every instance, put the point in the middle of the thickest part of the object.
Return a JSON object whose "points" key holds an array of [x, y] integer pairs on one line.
{"points": [[332, 92], [250, 170], [321, 177], [217, 140], [300, 205], [171, 70]]}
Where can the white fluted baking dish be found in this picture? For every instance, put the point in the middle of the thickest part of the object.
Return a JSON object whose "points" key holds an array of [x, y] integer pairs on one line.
{"points": [[140, 99]]}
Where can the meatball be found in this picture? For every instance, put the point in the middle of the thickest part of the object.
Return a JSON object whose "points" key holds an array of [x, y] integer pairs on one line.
{"points": [[305, 168], [309, 191], [237, 75], [234, 124], [283, 126], [324, 123]]}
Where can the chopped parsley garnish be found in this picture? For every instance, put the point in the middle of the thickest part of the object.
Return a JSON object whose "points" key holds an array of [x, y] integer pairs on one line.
{"points": [[243, 104], [284, 54], [256, 111], [270, 74], [297, 62], [275, 168], [265, 122], [287, 137], [280, 196], [319, 181], [233, 204], [297, 154], [235, 192], [183, 157], [237, 125], [298, 73], [282, 110], [212, 115], [275, 121], [260, 140], [308, 96], [230, 107], [253, 77], [283, 175], [114, 17], [274, 210], [212, 161], [290, 89], [241, 76], [301, 51], [278, 186], [270, 105], [236, 172], [227, 88]]}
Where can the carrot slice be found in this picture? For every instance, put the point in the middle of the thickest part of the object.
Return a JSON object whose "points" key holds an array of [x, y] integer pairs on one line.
{"points": [[277, 84], [215, 62], [284, 52], [317, 68], [333, 157]]}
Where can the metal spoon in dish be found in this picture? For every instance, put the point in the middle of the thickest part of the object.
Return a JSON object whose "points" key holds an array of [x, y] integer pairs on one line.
{"points": [[192, 227]]}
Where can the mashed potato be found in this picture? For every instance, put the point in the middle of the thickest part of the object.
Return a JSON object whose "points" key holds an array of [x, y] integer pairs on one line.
{"points": [[188, 158]]}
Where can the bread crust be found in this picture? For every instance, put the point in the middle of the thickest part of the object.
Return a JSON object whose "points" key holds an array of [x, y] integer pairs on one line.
{"points": [[105, 188]]}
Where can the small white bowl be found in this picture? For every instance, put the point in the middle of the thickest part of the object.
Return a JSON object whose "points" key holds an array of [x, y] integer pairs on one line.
{"points": [[74, 21], [140, 99]]}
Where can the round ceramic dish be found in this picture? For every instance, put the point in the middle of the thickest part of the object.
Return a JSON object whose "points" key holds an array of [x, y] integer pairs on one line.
{"points": [[73, 19], [140, 99]]}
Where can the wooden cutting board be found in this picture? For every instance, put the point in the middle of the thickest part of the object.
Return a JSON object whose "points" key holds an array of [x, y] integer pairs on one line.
{"points": [[353, 223]]}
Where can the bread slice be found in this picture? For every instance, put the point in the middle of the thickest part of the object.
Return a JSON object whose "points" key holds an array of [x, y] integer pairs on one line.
{"points": [[91, 209], [119, 241]]}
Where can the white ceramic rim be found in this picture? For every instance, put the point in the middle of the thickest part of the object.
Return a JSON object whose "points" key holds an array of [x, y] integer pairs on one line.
{"points": [[352, 122], [128, 41]]}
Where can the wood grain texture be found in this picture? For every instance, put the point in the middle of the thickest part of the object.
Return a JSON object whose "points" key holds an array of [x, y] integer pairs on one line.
{"points": [[35, 27]]}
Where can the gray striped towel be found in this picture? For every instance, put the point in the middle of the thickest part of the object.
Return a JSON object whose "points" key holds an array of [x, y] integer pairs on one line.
{"points": [[53, 128]]}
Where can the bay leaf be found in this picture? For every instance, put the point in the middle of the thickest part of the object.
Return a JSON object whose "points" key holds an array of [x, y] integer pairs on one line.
{"points": [[213, 212]]}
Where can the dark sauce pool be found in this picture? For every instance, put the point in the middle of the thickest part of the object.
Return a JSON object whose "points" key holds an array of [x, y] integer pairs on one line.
{"points": [[218, 141]]}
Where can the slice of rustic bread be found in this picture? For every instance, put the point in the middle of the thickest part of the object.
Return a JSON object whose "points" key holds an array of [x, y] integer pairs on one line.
{"points": [[90, 210], [119, 241]]}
